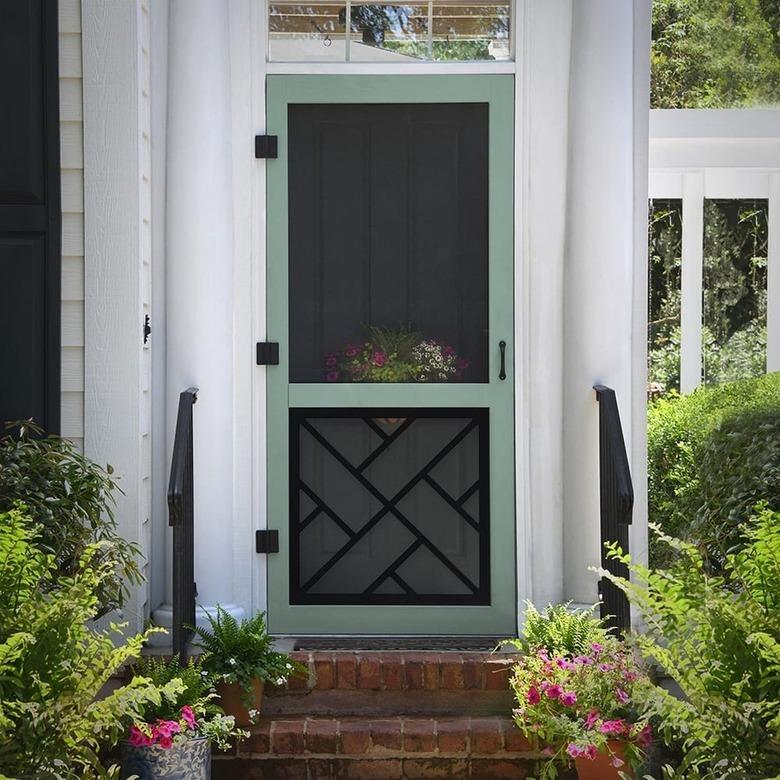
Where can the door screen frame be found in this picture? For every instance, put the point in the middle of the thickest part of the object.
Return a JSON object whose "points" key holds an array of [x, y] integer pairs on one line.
{"points": [[501, 617]]}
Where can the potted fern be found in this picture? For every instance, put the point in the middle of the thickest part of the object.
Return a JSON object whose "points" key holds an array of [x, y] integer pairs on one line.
{"points": [[240, 658]]}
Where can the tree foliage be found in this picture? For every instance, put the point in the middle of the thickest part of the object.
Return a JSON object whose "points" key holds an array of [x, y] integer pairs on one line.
{"points": [[715, 53]]}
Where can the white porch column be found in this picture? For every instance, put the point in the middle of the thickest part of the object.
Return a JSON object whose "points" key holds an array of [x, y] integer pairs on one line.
{"points": [[199, 279], [599, 330]]}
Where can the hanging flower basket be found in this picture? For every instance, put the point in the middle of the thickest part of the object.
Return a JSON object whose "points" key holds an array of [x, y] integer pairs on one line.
{"points": [[189, 759]]}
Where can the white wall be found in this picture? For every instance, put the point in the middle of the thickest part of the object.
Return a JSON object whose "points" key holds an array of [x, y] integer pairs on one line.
{"points": [[72, 172]]}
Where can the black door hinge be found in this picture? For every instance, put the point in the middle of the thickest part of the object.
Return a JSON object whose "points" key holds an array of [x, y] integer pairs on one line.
{"points": [[267, 541], [147, 328], [267, 353], [266, 147]]}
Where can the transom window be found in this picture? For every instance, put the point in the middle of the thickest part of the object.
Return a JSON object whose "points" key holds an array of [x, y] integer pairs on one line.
{"points": [[360, 31]]}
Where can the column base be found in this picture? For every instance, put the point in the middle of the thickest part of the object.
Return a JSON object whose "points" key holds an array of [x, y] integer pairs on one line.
{"points": [[163, 617]]}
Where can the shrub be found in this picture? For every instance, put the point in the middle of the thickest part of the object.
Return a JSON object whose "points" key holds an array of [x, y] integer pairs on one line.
{"points": [[242, 652], [681, 480], [52, 666], [69, 499], [560, 630], [718, 638]]}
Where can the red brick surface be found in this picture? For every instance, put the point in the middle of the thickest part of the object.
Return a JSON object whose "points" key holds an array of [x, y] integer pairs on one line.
{"points": [[346, 670], [355, 737], [386, 735], [369, 674], [419, 736], [287, 737], [486, 736], [322, 736], [453, 736]]}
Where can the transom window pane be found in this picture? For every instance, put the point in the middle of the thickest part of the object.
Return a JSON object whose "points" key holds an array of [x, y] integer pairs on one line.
{"points": [[363, 31]]}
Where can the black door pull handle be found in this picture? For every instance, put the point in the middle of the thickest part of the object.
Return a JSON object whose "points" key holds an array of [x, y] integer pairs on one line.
{"points": [[502, 370]]}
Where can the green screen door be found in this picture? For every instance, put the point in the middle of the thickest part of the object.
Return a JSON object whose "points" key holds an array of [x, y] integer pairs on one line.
{"points": [[390, 414]]}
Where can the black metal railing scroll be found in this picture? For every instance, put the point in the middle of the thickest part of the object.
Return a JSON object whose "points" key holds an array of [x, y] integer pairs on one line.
{"points": [[617, 504], [181, 518]]}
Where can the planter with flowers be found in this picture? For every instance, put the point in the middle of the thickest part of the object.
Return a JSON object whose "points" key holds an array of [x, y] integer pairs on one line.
{"points": [[174, 739], [584, 709], [240, 658], [395, 355]]}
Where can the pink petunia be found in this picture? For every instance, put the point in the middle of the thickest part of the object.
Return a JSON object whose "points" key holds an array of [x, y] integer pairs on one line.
{"points": [[139, 738], [645, 736], [553, 691], [165, 742], [379, 358], [621, 695], [575, 751], [351, 350], [569, 698], [533, 697], [616, 727], [188, 716], [332, 376], [617, 762], [591, 719], [591, 751], [597, 648]]}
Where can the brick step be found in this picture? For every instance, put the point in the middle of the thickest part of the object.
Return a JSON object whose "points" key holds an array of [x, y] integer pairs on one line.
{"points": [[397, 683], [399, 747]]}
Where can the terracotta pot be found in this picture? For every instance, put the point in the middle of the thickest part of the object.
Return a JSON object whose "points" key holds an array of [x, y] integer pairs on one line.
{"points": [[189, 760], [600, 767], [230, 700]]}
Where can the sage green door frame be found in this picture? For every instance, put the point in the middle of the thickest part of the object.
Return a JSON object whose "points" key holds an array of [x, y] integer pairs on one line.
{"points": [[497, 395]]}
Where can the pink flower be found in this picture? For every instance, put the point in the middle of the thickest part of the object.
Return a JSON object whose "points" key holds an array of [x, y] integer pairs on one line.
{"points": [[548, 751], [448, 351], [591, 719], [331, 360], [645, 736], [604, 668], [621, 695], [332, 376], [533, 697], [351, 350], [379, 358], [616, 727], [591, 752], [188, 716], [138, 738], [575, 751], [553, 691], [583, 660], [165, 742], [617, 762], [569, 699], [597, 648]]}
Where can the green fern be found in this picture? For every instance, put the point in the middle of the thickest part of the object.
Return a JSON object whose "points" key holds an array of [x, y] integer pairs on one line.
{"points": [[241, 652], [560, 630], [196, 683]]}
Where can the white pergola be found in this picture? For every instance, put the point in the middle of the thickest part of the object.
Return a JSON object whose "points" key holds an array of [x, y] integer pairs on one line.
{"points": [[698, 154]]}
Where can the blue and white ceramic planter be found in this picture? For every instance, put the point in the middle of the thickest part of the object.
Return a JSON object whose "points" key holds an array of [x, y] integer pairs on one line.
{"points": [[190, 760]]}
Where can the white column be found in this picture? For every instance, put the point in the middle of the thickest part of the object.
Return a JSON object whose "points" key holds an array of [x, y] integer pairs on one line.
{"points": [[691, 281], [600, 262], [199, 277], [773, 277]]}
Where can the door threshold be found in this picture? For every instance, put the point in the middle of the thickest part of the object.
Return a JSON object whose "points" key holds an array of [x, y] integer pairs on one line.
{"points": [[348, 644]]}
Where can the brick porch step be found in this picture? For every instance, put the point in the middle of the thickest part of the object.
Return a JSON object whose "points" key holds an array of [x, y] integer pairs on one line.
{"points": [[399, 747], [397, 683]]}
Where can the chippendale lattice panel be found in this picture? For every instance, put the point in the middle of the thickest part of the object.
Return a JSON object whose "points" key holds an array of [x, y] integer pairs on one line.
{"points": [[389, 506]]}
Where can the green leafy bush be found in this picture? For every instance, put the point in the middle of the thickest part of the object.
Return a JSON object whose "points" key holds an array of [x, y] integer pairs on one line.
{"points": [[708, 452], [240, 652], [70, 500], [560, 630], [718, 638], [53, 666]]}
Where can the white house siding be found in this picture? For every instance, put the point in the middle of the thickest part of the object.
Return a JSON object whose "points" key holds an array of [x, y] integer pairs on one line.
{"points": [[117, 239], [72, 170]]}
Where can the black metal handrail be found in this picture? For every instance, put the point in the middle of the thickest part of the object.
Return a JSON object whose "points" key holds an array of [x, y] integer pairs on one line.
{"points": [[617, 504], [181, 518]]}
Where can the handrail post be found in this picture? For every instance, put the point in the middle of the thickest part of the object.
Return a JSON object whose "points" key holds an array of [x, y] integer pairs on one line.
{"points": [[181, 517], [616, 494]]}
